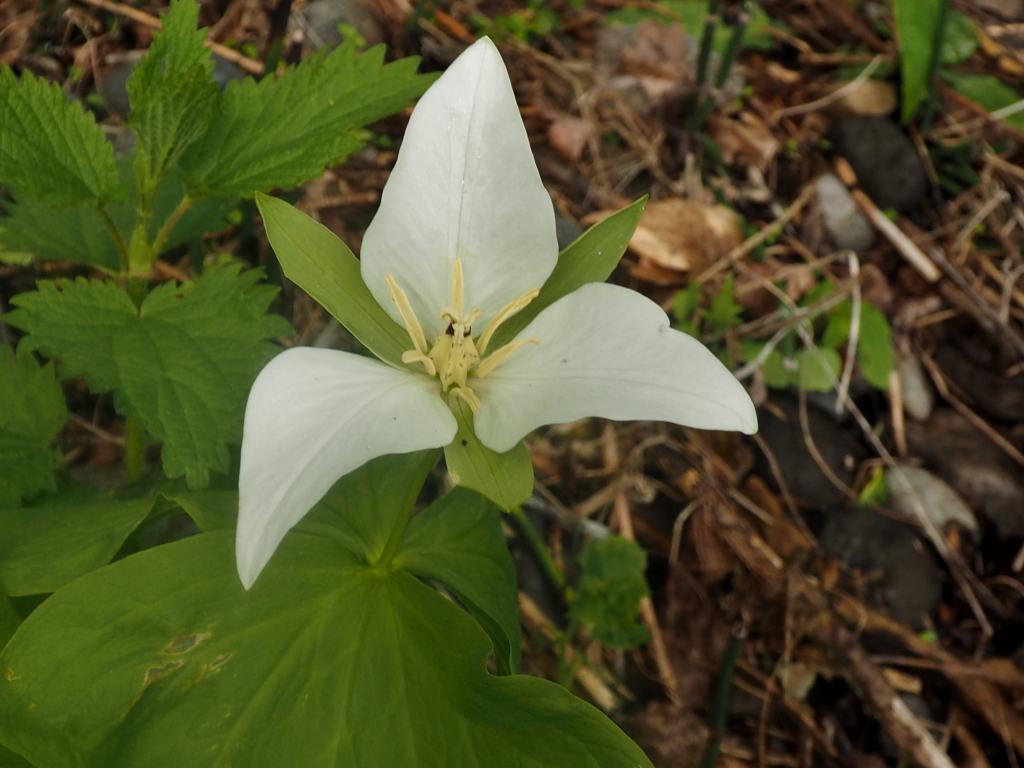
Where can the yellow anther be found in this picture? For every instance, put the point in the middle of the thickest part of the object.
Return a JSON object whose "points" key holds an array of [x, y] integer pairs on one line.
{"points": [[500, 355], [412, 325], [469, 396], [411, 356], [510, 309]]}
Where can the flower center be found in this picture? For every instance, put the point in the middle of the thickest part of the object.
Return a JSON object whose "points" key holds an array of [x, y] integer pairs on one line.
{"points": [[455, 353]]}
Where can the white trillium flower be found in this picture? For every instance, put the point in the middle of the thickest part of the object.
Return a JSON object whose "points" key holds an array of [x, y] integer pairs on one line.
{"points": [[463, 240]]}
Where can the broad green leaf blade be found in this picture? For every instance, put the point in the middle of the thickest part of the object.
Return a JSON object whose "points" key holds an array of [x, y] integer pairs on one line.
{"points": [[281, 131], [988, 91], [458, 542], [183, 363], [316, 260], [590, 259], [172, 94], [210, 510], [611, 586], [918, 26], [49, 544], [9, 759], [50, 147], [59, 232], [327, 661], [504, 478], [31, 416], [9, 621], [363, 508]]}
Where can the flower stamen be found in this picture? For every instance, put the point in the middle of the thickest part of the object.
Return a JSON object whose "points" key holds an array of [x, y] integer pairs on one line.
{"points": [[467, 394], [510, 309], [418, 354], [500, 355]]}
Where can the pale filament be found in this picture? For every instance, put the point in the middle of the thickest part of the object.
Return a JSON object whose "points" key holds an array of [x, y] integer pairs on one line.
{"points": [[455, 355]]}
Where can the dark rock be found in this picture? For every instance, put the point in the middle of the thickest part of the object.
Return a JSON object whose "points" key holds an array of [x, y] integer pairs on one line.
{"points": [[884, 159], [973, 466], [841, 451], [978, 372], [901, 573]]}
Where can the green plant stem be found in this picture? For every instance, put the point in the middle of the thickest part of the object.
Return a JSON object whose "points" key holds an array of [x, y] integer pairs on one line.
{"points": [[707, 41], [720, 702], [122, 248], [539, 548], [168, 227], [134, 450], [739, 29]]}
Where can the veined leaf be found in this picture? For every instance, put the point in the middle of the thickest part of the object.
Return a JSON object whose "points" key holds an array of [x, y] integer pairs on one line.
{"points": [[167, 642], [51, 148], [61, 233], [280, 131], [172, 94], [183, 363], [32, 415]]}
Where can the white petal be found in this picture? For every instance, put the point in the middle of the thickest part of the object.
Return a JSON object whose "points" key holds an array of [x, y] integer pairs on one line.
{"points": [[608, 351], [464, 186], [313, 416]]}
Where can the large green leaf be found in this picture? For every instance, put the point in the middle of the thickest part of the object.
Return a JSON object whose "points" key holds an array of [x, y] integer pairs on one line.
{"points": [[46, 545], [172, 93], [316, 260], [285, 129], [183, 363], [918, 27], [50, 147], [328, 661], [591, 258], [988, 91], [504, 478], [59, 232], [31, 416]]}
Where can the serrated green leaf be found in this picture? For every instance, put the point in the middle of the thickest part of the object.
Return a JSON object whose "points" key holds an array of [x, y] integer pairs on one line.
{"points": [[183, 364], [458, 542], [281, 131], [166, 642], [591, 258], [316, 260], [50, 147], [62, 233], [32, 415], [504, 478], [724, 313], [611, 586], [685, 307], [988, 91], [48, 544], [818, 369], [918, 25], [172, 94]]}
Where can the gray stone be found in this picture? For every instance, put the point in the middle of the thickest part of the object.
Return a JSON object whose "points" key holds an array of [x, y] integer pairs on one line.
{"points": [[918, 395], [847, 227], [321, 21], [909, 485], [885, 160]]}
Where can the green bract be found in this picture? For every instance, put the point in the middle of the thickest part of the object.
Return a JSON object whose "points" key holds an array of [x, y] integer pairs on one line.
{"points": [[341, 655]]}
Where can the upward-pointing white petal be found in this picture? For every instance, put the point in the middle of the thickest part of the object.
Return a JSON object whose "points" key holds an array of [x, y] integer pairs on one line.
{"points": [[465, 186], [607, 351], [313, 416]]}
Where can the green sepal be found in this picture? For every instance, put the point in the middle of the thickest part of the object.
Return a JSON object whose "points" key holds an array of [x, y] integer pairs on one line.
{"points": [[591, 258], [504, 478], [316, 260]]}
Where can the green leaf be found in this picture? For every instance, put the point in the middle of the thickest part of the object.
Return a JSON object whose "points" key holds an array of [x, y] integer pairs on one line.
{"points": [[777, 371], [988, 91], [611, 586], [172, 94], [48, 544], [9, 621], [63, 233], [328, 660], [504, 478], [210, 510], [918, 25], [686, 309], [724, 313], [283, 130], [591, 258], [960, 40], [183, 364], [50, 147], [818, 368], [691, 14], [316, 260], [32, 415], [9, 759], [876, 490], [458, 542], [874, 340]]}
